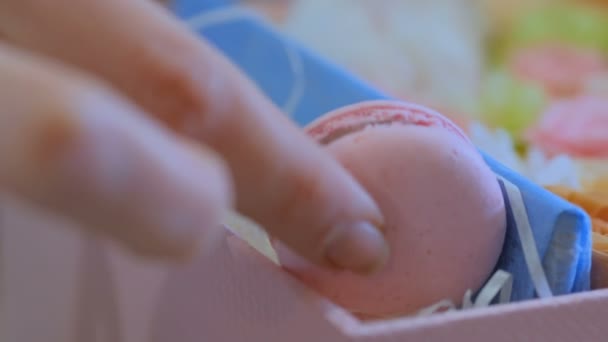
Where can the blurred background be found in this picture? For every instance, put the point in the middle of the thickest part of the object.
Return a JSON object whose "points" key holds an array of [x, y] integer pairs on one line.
{"points": [[527, 79]]}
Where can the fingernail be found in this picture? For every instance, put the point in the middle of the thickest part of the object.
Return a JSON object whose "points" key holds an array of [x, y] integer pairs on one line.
{"points": [[360, 248], [364, 204]]}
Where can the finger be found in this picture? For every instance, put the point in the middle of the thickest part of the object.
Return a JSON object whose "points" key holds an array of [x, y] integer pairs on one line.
{"points": [[283, 180], [70, 145]]}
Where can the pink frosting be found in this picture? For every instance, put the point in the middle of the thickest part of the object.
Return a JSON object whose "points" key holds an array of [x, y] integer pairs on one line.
{"points": [[444, 211], [577, 127]]}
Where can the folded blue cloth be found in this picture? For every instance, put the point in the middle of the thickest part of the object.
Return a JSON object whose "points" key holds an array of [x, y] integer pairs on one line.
{"points": [[559, 230]]}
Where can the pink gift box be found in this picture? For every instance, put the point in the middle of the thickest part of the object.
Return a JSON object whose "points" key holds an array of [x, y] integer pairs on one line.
{"points": [[61, 286]]}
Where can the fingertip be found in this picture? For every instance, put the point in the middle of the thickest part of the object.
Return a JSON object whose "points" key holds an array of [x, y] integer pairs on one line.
{"points": [[359, 247], [217, 169], [322, 214]]}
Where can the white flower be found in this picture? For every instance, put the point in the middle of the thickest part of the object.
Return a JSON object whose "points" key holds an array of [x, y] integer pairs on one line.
{"points": [[536, 166]]}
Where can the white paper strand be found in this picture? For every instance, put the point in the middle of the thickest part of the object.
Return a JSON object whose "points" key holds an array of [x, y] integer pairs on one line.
{"points": [[520, 215], [501, 282], [445, 304], [224, 15], [299, 80], [467, 301]]}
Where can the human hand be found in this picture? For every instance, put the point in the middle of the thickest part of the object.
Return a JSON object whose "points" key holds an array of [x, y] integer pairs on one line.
{"points": [[115, 115]]}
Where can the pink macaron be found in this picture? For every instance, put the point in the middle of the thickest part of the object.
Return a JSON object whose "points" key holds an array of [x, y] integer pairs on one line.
{"points": [[444, 211], [577, 127]]}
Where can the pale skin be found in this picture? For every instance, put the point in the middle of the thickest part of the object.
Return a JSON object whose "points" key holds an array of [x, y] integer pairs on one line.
{"points": [[113, 114]]}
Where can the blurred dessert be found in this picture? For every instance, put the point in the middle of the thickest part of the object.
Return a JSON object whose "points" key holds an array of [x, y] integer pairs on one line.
{"points": [[561, 70]]}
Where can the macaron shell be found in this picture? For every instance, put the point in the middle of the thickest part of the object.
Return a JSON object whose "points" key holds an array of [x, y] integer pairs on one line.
{"points": [[379, 111], [444, 212], [576, 127]]}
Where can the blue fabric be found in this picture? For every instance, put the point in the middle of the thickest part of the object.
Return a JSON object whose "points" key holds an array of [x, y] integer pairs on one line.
{"points": [[561, 230]]}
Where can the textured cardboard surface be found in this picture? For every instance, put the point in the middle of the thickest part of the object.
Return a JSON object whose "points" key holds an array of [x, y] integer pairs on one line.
{"points": [[59, 286]]}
